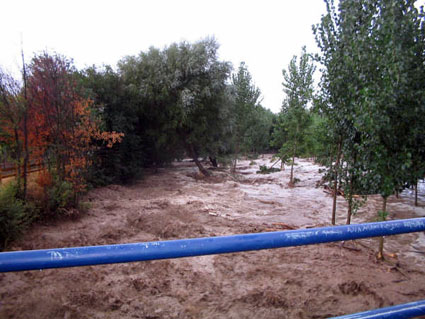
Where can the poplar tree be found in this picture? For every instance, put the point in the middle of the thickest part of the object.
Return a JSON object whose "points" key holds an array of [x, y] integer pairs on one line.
{"points": [[373, 58], [298, 87], [246, 100]]}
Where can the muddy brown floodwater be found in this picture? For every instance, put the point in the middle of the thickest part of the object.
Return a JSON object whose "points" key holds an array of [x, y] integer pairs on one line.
{"points": [[302, 282]]}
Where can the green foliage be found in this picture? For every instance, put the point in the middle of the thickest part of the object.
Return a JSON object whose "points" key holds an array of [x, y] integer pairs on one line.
{"points": [[267, 170], [373, 91], [118, 112], [258, 133], [84, 206], [382, 215], [316, 140], [224, 160], [284, 154], [181, 96], [60, 197], [298, 87], [246, 99], [251, 124], [174, 102], [169, 102], [15, 214], [340, 38], [296, 180], [294, 118]]}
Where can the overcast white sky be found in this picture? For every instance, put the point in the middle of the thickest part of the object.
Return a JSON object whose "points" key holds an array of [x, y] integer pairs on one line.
{"points": [[265, 34]]}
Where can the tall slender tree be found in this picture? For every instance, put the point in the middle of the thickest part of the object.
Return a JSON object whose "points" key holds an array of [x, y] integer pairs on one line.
{"points": [[394, 98], [63, 127], [246, 100], [12, 110], [340, 36], [373, 53], [298, 87]]}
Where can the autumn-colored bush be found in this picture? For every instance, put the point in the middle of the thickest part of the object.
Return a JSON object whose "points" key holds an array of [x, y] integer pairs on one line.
{"points": [[52, 195], [44, 179]]}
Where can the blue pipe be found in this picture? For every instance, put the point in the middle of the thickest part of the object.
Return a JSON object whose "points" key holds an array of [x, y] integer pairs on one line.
{"points": [[96, 255], [408, 310]]}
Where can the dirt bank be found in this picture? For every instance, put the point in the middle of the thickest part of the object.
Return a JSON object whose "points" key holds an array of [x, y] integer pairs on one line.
{"points": [[303, 282]]}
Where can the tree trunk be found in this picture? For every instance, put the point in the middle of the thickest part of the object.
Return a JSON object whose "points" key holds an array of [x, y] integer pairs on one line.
{"points": [[336, 167], [26, 152], [1, 173], [58, 167], [381, 239], [194, 155], [213, 161], [18, 160], [233, 166], [331, 163], [349, 212], [235, 160], [26, 155], [291, 178], [201, 168], [350, 201], [416, 193]]}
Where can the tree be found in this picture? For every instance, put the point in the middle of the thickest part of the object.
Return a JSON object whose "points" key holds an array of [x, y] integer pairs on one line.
{"points": [[118, 111], [316, 142], [246, 102], [181, 91], [12, 113], [394, 100], [147, 85], [200, 87], [298, 87], [62, 126], [373, 53], [259, 131], [53, 96], [341, 37]]}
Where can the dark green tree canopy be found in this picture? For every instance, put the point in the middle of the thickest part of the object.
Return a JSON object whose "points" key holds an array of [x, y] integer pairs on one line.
{"points": [[181, 91]]}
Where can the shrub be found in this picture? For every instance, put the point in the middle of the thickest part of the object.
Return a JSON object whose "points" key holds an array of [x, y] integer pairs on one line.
{"points": [[267, 170], [15, 214], [224, 160], [60, 197], [55, 196]]}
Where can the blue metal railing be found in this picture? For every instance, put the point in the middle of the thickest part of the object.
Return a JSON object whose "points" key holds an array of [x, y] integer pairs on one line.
{"points": [[108, 254], [95, 255], [407, 310]]}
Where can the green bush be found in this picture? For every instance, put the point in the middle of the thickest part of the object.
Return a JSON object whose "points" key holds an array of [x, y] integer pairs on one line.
{"points": [[60, 197], [224, 160], [15, 214], [267, 170]]}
